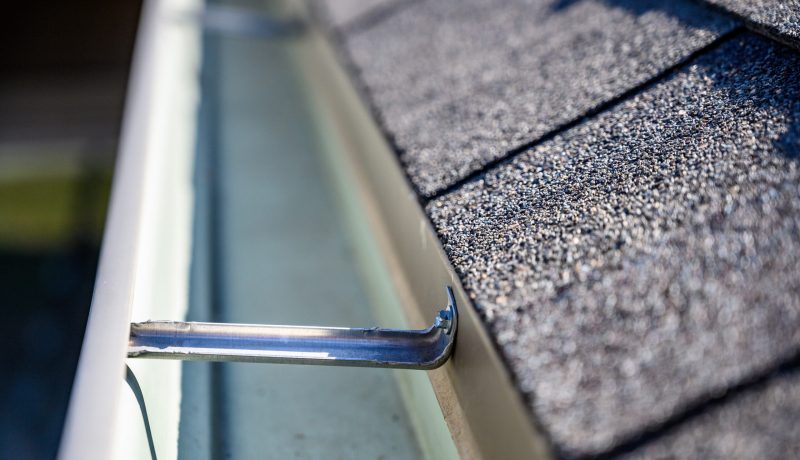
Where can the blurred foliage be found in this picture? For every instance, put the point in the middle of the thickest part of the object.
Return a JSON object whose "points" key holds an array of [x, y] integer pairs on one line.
{"points": [[52, 211]]}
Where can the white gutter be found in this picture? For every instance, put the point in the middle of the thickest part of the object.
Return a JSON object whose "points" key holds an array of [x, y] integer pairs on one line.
{"points": [[153, 151]]}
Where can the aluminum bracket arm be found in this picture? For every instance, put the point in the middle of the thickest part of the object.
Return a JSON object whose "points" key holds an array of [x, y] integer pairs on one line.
{"points": [[333, 346]]}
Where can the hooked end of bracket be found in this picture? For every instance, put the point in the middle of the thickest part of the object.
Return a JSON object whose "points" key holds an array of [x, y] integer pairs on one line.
{"points": [[447, 318]]}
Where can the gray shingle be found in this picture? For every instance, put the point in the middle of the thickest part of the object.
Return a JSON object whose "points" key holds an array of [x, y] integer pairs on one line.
{"points": [[648, 257], [458, 83], [762, 423], [780, 18]]}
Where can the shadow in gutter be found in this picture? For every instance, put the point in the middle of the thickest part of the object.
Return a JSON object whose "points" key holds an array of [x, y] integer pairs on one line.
{"points": [[133, 384]]}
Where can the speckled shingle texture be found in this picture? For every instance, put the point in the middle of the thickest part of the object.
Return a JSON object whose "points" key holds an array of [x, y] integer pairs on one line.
{"points": [[761, 423], [649, 257], [458, 83], [779, 18]]}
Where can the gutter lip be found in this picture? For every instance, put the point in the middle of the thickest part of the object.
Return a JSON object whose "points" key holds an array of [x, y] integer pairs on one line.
{"points": [[89, 426]]}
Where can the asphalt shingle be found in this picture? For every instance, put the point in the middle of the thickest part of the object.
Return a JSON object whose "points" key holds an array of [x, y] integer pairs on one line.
{"points": [[458, 83], [779, 18], [762, 423], [647, 258]]}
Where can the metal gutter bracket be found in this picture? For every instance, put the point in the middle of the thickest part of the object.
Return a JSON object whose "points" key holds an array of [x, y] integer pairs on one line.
{"points": [[333, 346]]}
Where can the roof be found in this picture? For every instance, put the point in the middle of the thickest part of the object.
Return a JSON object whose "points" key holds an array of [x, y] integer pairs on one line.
{"points": [[616, 184], [780, 19]]}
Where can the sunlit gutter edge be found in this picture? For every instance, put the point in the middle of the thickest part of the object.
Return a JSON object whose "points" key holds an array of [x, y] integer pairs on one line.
{"points": [[91, 414]]}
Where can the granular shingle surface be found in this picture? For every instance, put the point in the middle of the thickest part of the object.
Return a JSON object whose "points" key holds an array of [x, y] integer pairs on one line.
{"points": [[779, 18], [762, 423], [458, 83], [647, 258]]}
